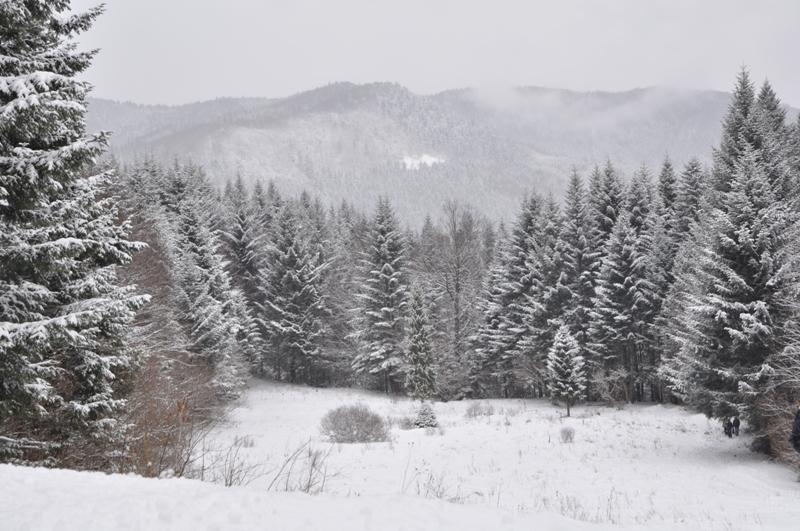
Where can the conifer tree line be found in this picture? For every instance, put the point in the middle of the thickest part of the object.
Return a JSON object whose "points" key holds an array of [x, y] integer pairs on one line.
{"points": [[679, 284], [287, 289]]}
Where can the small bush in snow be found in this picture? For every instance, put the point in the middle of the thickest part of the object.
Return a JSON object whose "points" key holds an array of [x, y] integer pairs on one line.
{"points": [[479, 409], [405, 423], [567, 434], [354, 424], [426, 417]]}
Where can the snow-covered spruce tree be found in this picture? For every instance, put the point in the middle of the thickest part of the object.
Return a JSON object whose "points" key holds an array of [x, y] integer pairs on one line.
{"points": [[606, 201], [420, 370], [293, 308], [245, 234], [381, 313], [660, 256], [314, 228], [565, 368], [739, 129], [656, 245], [220, 326], [171, 398], [547, 297], [729, 306], [516, 285], [639, 202], [626, 303], [773, 140], [727, 314], [339, 281], [426, 418], [244, 243], [63, 316], [690, 191], [620, 329], [666, 209], [258, 202], [491, 369], [266, 205], [667, 193], [489, 241], [794, 150], [578, 260], [426, 256], [496, 342]]}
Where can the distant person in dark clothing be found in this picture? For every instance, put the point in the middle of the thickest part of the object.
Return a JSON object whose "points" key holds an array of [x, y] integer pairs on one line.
{"points": [[794, 439], [736, 424], [727, 427]]}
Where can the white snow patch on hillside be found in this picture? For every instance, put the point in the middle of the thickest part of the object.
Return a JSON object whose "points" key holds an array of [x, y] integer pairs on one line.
{"points": [[415, 163]]}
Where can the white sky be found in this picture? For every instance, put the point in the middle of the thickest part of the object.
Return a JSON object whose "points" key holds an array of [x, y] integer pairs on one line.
{"points": [[178, 51]]}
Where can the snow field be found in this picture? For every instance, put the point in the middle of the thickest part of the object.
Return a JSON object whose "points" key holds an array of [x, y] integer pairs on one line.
{"points": [[494, 464], [641, 465], [36, 499]]}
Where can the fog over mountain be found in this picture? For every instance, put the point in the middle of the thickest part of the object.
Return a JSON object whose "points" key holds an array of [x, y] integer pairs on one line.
{"points": [[359, 141]]}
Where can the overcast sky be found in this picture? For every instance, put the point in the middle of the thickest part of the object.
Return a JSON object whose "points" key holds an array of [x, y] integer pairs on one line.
{"points": [[178, 51]]}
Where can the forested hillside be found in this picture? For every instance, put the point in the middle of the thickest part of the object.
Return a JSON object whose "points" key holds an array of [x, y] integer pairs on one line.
{"points": [[356, 142]]}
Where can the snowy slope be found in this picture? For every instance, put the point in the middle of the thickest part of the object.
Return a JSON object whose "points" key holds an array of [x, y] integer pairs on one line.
{"points": [[642, 465], [648, 467], [64, 500]]}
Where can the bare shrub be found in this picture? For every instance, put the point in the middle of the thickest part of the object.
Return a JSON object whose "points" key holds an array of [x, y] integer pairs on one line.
{"points": [[567, 434], [405, 423], [304, 470], [231, 469], [170, 403], [479, 409], [354, 424], [613, 388], [171, 410], [778, 404], [432, 486]]}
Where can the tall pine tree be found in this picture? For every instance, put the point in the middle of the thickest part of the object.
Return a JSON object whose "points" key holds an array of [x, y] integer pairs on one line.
{"points": [[379, 327], [420, 374], [578, 259], [619, 328], [690, 191], [63, 316], [214, 311], [728, 310], [547, 296], [492, 367], [565, 368], [293, 308]]}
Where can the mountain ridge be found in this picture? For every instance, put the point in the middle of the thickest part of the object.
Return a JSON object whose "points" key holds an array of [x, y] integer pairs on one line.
{"points": [[350, 141]]}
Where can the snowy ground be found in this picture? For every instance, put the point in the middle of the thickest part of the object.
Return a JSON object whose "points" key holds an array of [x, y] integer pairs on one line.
{"points": [[640, 465], [644, 467], [64, 500]]}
